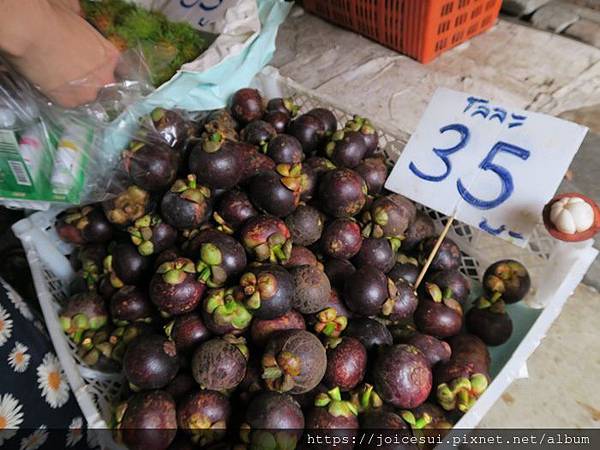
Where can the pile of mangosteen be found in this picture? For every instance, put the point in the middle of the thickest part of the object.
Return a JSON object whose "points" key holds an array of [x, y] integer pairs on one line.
{"points": [[254, 279]]}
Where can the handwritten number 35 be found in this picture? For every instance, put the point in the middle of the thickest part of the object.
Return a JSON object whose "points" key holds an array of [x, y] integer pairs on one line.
{"points": [[506, 179]]}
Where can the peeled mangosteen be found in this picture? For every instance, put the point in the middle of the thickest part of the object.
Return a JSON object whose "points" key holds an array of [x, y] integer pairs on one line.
{"points": [[125, 265], [402, 301], [346, 148], [150, 362], [326, 117], [346, 363], [277, 192], [285, 149], [269, 291], [438, 314], [267, 238], [374, 171], [259, 133], [402, 376], [220, 363], [232, 210], [305, 225], [508, 277], [247, 105], [148, 421], [151, 235], [341, 238], [389, 216], [342, 193], [338, 270], [368, 132], [224, 312], [186, 204], [330, 412], [366, 291], [312, 289], [170, 126], [278, 120], [448, 256], [406, 269], [187, 331], [294, 361], [453, 280], [130, 304], [174, 288], [82, 312], [309, 130], [376, 252], [216, 162], [422, 227], [84, 225], [204, 415], [489, 320], [301, 256], [370, 332], [127, 206], [152, 166], [261, 330]]}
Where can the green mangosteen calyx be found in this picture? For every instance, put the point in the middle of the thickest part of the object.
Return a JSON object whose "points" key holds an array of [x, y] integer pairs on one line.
{"points": [[279, 370], [78, 218], [506, 276], [330, 323], [292, 177], [258, 288], [141, 233], [191, 191], [401, 258], [360, 124], [226, 308], [335, 405], [414, 422], [461, 393], [494, 304], [238, 342], [364, 398], [176, 271], [128, 205], [209, 267], [445, 297], [388, 306], [212, 143]]}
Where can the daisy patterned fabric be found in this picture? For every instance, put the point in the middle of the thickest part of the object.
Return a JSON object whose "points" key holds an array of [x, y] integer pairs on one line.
{"points": [[37, 408]]}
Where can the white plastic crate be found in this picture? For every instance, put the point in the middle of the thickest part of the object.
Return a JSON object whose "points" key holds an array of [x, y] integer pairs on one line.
{"points": [[556, 269]]}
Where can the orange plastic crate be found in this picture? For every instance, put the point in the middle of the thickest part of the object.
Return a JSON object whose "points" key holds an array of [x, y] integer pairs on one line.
{"points": [[421, 29]]}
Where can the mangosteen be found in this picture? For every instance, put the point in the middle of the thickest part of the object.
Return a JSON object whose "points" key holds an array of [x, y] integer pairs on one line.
{"points": [[370, 332], [310, 180], [338, 270], [204, 415], [152, 166], [366, 291], [285, 149], [186, 204], [269, 290], [130, 304], [453, 280], [309, 130], [319, 165], [341, 238], [422, 227], [337, 416], [429, 421], [391, 428], [224, 312], [84, 225], [151, 235], [150, 362], [461, 380], [508, 277], [167, 255], [171, 126], [332, 320], [278, 120], [174, 288], [346, 148], [448, 256], [216, 162], [305, 225], [376, 252], [374, 171], [273, 417], [247, 105], [127, 206], [301, 256], [259, 133], [285, 106], [96, 350], [312, 289], [402, 376], [402, 301], [294, 361], [342, 193], [221, 257], [277, 192], [252, 161], [389, 216], [182, 385], [88, 261], [147, 421], [267, 238], [261, 330], [438, 314], [187, 331], [489, 320], [220, 363], [346, 363], [434, 350], [125, 265], [326, 117], [232, 210], [82, 312], [406, 268], [122, 336], [368, 132]]}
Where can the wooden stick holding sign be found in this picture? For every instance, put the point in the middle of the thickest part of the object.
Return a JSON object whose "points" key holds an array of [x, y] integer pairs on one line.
{"points": [[434, 251]]}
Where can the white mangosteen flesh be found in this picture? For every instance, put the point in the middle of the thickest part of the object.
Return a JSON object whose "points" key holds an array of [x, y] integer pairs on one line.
{"points": [[572, 215]]}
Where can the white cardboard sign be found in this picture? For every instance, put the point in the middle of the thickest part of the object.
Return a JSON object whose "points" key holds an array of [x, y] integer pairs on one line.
{"points": [[492, 167]]}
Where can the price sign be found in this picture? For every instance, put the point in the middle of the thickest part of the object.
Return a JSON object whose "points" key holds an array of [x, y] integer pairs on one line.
{"points": [[490, 166]]}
